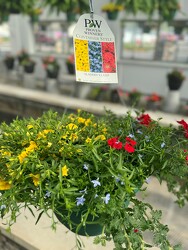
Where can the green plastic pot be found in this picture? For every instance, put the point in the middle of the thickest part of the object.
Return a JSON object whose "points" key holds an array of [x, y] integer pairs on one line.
{"points": [[92, 227]]}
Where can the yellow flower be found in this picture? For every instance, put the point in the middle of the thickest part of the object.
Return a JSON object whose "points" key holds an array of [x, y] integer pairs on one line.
{"points": [[81, 120], [4, 185], [104, 130], [64, 171], [36, 178], [88, 121], [6, 153], [72, 126], [88, 140], [100, 137], [29, 126], [49, 144], [44, 133], [73, 137], [31, 147], [112, 7], [22, 156]]}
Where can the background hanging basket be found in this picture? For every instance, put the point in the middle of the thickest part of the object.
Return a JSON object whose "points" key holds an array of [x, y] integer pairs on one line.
{"points": [[112, 15]]}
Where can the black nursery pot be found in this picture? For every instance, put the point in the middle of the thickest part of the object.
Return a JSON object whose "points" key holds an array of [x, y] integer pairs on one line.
{"points": [[9, 64], [29, 68], [174, 83], [52, 74], [71, 68]]}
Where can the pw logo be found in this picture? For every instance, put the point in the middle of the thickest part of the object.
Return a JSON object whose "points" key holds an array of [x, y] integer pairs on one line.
{"points": [[92, 23]]}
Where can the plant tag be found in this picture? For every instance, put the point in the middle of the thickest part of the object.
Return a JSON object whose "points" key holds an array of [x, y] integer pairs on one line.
{"points": [[94, 50]]}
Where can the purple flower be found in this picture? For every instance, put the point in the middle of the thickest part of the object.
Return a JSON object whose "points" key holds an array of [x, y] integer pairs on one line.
{"points": [[80, 201], [96, 183], [107, 198]]}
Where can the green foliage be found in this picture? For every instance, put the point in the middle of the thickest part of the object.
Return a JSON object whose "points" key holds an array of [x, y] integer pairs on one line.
{"points": [[77, 161], [17, 6], [75, 6], [165, 8], [176, 73]]}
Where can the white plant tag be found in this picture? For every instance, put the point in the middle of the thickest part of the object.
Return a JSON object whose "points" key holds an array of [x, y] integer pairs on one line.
{"points": [[94, 50]]}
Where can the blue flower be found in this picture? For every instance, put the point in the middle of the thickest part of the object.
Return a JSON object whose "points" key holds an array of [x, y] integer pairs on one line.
{"points": [[148, 180], [107, 198], [147, 138], [48, 194], [96, 183], [139, 131], [80, 201], [131, 136], [117, 179], [163, 144], [2, 207], [84, 191], [86, 166]]}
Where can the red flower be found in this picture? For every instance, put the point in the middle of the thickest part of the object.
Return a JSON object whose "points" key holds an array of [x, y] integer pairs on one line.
{"points": [[184, 124], [130, 141], [186, 158], [136, 230], [129, 148], [115, 143], [144, 119]]}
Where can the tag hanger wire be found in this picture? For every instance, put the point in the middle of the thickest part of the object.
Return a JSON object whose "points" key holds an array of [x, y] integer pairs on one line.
{"points": [[91, 8]]}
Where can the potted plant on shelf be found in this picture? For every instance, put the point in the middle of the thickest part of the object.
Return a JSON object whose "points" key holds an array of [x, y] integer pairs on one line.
{"points": [[34, 14], [51, 66], [70, 7], [175, 79], [134, 97], [112, 9], [70, 63], [22, 55], [87, 170], [9, 62], [153, 101], [28, 65]]}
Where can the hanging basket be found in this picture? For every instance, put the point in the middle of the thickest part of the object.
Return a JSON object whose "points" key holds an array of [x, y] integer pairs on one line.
{"points": [[112, 15], [34, 19], [5, 18], [91, 228], [71, 17]]}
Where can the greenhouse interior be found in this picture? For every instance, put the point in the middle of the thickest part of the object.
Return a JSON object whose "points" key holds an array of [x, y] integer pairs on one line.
{"points": [[104, 79]]}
